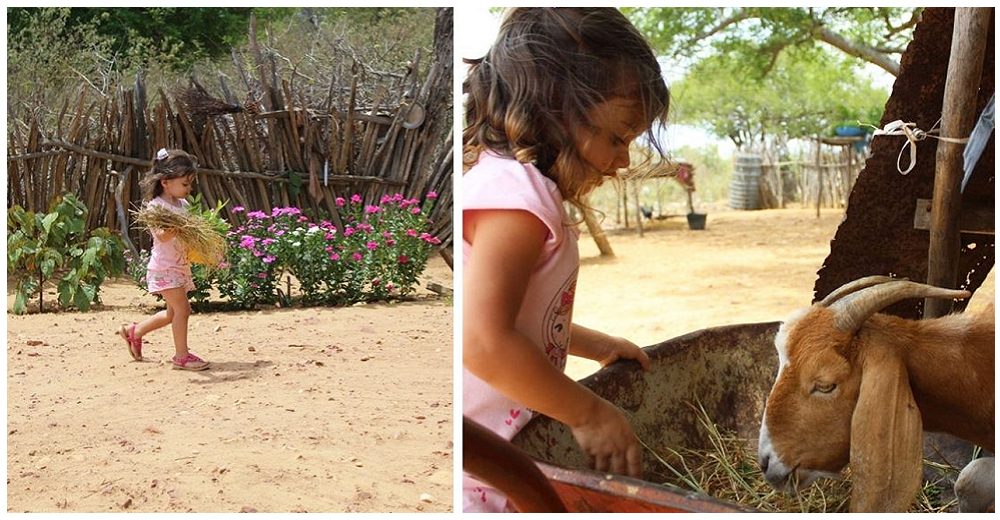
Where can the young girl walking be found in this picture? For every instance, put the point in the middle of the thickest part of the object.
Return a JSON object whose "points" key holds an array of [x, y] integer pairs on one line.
{"points": [[550, 113], [168, 273]]}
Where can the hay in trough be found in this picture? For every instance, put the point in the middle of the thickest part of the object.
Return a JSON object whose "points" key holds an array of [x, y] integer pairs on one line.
{"points": [[728, 470], [201, 238]]}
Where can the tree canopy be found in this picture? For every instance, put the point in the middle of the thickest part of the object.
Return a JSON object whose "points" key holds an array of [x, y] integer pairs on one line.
{"points": [[808, 92], [758, 35]]}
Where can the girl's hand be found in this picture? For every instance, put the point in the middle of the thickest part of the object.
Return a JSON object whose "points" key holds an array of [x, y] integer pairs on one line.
{"points": [[621, 348], [607, 437], [165, 235], [605, 349]]}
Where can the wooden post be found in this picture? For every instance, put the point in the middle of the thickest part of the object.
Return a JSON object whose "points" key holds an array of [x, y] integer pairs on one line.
{"points": [[965, 67], [595, 231], [625, 201], [638, 206], [819, 175]]}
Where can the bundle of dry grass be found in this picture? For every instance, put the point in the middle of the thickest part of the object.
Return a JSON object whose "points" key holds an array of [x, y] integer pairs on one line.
{"points": [[202, 240], [729, 471]]}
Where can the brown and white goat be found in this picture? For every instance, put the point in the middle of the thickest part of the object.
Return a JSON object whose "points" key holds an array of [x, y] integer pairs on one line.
{"points": [[858, 387]]}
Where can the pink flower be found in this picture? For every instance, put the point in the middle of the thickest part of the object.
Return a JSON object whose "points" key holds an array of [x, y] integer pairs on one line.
{"points": [[372, 245], [334, 257], [267, 241], [389, 286], [415, 210], [385, 199], [257, 214], [403, 259], [397, 197], [411, 232], [390, 242], [279, 232], [372, 209], [328, 249], [432, 195], [340, 202], [269, 259], [303, 218], [223, 265], [238, 209], [247, 241], [262, 275], [348, 231], [376, 282], [356, 199], [330, 235], [357, 257], [386, 234]]}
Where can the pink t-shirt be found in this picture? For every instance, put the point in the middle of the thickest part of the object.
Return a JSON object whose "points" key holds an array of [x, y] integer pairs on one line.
{"points": [[168, 254], [547, 310]]}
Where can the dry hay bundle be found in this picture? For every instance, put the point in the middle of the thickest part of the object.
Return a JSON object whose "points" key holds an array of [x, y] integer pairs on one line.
{"points": [[729, 471], [204, 244]]}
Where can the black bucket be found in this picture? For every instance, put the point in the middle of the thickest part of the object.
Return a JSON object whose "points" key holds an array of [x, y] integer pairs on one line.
{"points": [[696, 220]]}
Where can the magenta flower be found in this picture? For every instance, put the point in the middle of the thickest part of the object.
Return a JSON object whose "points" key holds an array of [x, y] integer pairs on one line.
{"points": [[372, 209], [303, 218], [432, 195], [357, 257], [403, 259], [348, 231], [328, 249], [340, 202], [331, 235], [267, 241], [238, 209], [356, 199], [279, 232], [262, 275], [390, 242], [257, 214], [372, 245], [411, 232], [247, 241], [385, 199], [334, 257], [269, 259], [223, 265], [367, 228], [415, 210]]}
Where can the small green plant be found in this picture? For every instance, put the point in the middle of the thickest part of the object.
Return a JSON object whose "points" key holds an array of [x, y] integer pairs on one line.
{"points": [[54, 246]]}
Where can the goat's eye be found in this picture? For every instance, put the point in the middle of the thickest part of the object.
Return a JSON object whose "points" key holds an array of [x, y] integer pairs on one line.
{"points": [[824, 388]]}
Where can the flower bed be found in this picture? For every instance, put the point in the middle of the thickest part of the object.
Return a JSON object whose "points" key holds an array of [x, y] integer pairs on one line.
{"points": [[377, 254]]}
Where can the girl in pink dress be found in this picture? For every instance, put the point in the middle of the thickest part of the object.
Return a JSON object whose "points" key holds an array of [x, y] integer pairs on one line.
{"points": [[168, 273], [551, 111]]}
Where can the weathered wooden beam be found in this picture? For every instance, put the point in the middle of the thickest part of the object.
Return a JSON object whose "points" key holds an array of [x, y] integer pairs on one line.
{"points": [[979, 219], [965, 66]]}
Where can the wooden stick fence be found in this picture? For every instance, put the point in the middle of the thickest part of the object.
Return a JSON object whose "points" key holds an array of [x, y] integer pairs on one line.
{"points": [[282, 148]]}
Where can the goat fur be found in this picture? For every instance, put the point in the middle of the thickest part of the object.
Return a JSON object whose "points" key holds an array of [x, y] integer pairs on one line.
{"points": [[895, 378]]}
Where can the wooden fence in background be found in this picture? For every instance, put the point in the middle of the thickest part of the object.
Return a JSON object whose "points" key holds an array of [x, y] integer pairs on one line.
{"points": [[371, 135]]}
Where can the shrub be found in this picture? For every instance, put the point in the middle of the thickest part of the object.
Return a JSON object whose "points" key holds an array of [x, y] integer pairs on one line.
{"points": [[378, 254], [55, 246]]}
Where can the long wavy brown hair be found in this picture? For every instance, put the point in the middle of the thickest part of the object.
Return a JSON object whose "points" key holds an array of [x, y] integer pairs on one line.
{"points": [[547, 69]]}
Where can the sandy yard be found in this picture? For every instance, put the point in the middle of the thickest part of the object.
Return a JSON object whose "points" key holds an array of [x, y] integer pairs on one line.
{"points": [[745, 267], [304, 409]]}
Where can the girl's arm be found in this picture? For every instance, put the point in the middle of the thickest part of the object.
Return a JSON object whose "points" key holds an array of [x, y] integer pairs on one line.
{"points": [[164, 235], [603, 348], [506, 247]]}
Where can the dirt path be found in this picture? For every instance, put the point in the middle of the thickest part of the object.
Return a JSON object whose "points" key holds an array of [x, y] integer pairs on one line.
{"points": [[745, 267], [317, 409]]}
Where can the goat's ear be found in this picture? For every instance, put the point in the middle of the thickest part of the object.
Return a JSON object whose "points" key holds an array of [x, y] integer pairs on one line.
{"points": [[886, 436]]}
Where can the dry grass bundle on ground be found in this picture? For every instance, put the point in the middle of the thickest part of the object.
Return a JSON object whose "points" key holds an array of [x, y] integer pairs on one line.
{"points": [[204, 243], [729, 471]]}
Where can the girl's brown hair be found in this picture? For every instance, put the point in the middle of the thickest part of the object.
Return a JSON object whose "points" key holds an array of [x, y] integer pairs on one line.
{"points": [[546, 70], [167, 164]]}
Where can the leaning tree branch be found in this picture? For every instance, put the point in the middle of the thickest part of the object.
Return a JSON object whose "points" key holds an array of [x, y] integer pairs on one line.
{"points": [[738, 16], [858, 50]]}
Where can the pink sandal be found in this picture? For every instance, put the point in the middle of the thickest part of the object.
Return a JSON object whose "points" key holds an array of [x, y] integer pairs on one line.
{"points": [[134, 344], [189, 362]]}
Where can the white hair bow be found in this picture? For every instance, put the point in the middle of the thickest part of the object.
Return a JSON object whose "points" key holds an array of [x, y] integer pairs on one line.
{"points": [[162, 154]]}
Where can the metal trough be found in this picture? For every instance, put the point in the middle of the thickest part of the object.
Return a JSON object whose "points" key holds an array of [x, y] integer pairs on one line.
{"points": [[728, 370]]}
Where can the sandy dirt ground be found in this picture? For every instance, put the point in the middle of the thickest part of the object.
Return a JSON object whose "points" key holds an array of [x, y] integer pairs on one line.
{"points": [[304, 409], [745, 267]]}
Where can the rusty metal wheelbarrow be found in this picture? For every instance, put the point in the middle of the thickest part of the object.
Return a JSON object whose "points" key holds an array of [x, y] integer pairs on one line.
{"points": [[727, 370]]}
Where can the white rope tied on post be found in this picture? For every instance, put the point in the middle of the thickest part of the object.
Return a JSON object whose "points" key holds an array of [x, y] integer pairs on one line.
{"points": [[913, 136]]}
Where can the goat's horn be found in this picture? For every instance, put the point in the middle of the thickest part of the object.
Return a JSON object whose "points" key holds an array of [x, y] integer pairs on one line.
{"points": [[854, 286], [852, 310]]}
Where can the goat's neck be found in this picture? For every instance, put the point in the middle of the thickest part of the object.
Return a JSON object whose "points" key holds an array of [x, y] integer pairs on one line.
{"points": [[950, 365]]}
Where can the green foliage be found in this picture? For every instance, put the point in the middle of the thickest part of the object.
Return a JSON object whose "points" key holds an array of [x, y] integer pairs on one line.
{"points": [[378, 255], [756, 36], [55, 247], [808, 92]]}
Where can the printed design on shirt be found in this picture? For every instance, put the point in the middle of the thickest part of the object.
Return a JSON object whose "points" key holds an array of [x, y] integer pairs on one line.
{"points": [[513, 414], [557, 321]]}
